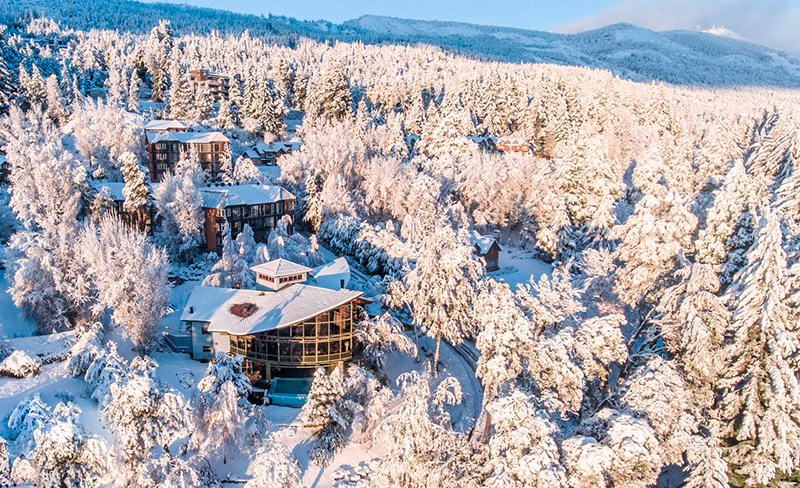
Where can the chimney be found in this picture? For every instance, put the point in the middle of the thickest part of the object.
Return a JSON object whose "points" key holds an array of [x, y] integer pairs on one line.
{"points": [[341, 284], [191, 309]]}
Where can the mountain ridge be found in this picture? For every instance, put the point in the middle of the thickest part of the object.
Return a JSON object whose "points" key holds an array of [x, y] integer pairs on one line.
{"points": [[679, 57]]}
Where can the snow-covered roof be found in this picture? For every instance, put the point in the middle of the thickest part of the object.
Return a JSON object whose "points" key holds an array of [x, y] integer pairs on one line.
{"points": [[484, 243], [280, 267], [277, 146], [114, 189], [275, 309], [330, 275], [229, 196], [164, 125], [189, 137]]}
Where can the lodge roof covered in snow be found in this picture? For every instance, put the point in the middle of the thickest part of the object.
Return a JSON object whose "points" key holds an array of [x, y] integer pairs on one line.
{"points": [[164, 125], [188, 137], [484, 243], [280, 267], [230, 196], [335, 274], [274, 310]]}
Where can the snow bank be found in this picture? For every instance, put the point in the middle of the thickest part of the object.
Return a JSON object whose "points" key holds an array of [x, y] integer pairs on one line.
{"points": [[20, 365]]}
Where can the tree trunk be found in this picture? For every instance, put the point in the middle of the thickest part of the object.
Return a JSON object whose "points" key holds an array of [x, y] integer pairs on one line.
{"points": [[416, 340], [436, 354]]}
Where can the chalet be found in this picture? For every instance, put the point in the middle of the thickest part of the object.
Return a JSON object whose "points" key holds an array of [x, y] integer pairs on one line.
{"points": [[487, 248], [288, 330], [165, 149], [260, 206], [217, 83], [267, 154]]}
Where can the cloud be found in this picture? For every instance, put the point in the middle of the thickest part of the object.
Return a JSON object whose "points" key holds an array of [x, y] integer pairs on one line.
{"points": [[769, 22]]}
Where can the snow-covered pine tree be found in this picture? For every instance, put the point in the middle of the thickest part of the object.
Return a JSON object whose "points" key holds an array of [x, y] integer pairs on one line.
{"points": [[66, 454], [202, 103], [329, 93], [758, 359], [325, 391], [442, 286], [179, 212], [382, 335], [133, 92], [56, 108], [730, 225], [136, 191], [144, 412]]}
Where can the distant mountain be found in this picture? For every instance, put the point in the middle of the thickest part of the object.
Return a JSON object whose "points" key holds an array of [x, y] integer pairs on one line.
{"points": [[679, 57], [725, 32]]}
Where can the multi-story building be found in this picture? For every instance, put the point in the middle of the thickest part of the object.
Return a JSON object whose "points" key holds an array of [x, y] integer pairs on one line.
{"points": [[502, 144], [268, 154], [281, 332], [217, 83], [165, 150], [143, 219], [260, 206]]}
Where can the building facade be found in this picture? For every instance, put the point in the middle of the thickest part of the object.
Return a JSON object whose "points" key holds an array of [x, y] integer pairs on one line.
{"points": [[5, 170], [486, 247], [218, 84], [297, 327], [165, 150], [260, 206]]}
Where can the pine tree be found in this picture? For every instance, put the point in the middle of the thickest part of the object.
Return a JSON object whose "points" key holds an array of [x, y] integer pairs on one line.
{"points": [[441, 287], [133, 92], [274, 467], [759, 359], [325, 391], [329, 94], [180, 96], [202, 103], [55, 101], [137, 188]]}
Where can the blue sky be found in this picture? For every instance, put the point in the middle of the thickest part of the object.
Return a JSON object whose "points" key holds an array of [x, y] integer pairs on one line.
{"points": [[768, 22], [532, 14]]}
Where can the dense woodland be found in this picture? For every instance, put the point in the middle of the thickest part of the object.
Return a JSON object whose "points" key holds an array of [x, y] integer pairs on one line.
{"points": [[666, 337]]}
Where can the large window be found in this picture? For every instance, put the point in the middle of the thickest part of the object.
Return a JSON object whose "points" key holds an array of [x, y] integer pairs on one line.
{"points": [[321, 340]]}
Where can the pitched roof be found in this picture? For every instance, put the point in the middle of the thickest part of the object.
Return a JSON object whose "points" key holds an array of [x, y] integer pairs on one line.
{"points": [[330, 275], [484, 243], [280, 267], [275, 309], [164, 125], [277, 146], [189, 137], [228, 196]]}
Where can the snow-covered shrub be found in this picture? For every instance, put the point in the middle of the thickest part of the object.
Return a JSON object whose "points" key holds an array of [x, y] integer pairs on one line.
{"points": [[144, 412], [30, 415], [88, 346], [20, 364], [106, 369], [168, 471], [66, 454], [274, 467], [223, 369], [381, 336]]}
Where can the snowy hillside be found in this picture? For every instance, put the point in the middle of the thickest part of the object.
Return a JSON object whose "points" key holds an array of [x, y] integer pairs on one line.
{"points": [[680, 57]]}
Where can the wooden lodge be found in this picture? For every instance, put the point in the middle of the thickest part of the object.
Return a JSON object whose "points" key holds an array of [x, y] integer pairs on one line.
{"points": [[260, 206], [299, 326], [166, 147]]}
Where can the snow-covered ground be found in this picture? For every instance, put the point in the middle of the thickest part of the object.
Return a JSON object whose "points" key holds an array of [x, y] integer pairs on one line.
{"points": [[12, 322], [518, 266]]}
